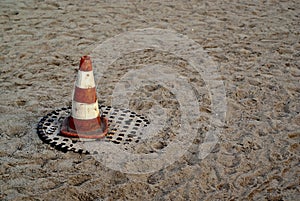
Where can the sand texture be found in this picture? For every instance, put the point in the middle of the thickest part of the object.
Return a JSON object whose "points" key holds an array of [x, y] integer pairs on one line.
{"points": [[256, 45]]}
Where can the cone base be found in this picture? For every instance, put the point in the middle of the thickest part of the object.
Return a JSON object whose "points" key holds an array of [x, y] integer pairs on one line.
{"points": [[96, 134]]}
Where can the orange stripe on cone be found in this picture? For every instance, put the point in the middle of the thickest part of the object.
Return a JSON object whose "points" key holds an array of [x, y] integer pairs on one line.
{"points": [[85, 64], [85, 124], [85, 95], [85, 120], [86, 128]]}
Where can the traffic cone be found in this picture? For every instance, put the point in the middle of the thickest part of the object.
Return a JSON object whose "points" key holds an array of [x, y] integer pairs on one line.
{"points": [[85, 120]]}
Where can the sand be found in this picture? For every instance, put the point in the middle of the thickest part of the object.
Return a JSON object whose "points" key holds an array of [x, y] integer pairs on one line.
{"points": [[256, 47]]}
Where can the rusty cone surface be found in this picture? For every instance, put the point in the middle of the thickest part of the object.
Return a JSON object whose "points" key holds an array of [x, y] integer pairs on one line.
{"points": [[85, 120]]}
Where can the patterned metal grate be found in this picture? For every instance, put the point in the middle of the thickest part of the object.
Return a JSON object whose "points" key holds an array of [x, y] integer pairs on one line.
{"points": [[124, 128]]}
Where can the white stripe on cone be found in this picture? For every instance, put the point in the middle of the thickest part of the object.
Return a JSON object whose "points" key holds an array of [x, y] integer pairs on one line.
{"points": [[85, 79], [84, 110]]}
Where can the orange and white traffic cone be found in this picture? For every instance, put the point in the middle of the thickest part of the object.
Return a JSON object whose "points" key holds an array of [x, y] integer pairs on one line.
{"points": [[85, 120]]}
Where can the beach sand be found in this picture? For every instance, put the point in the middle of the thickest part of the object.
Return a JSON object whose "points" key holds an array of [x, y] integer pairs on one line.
{"points": [[256, 47]]}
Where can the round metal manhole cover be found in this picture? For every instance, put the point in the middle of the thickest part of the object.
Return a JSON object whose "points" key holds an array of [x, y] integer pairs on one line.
{"points": [[125, 127]]}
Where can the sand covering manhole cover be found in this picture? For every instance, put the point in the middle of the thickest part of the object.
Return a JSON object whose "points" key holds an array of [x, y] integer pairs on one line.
{"points": [[125, 127]]}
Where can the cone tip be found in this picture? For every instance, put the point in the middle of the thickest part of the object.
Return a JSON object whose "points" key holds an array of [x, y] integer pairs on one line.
{"points": [[85, 63]]}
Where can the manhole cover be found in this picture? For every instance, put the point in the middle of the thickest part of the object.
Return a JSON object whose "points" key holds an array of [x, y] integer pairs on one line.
{"points": [[125, 127]]}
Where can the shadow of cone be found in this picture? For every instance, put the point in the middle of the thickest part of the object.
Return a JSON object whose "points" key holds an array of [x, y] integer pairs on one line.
{"points": [[85, 120]]}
